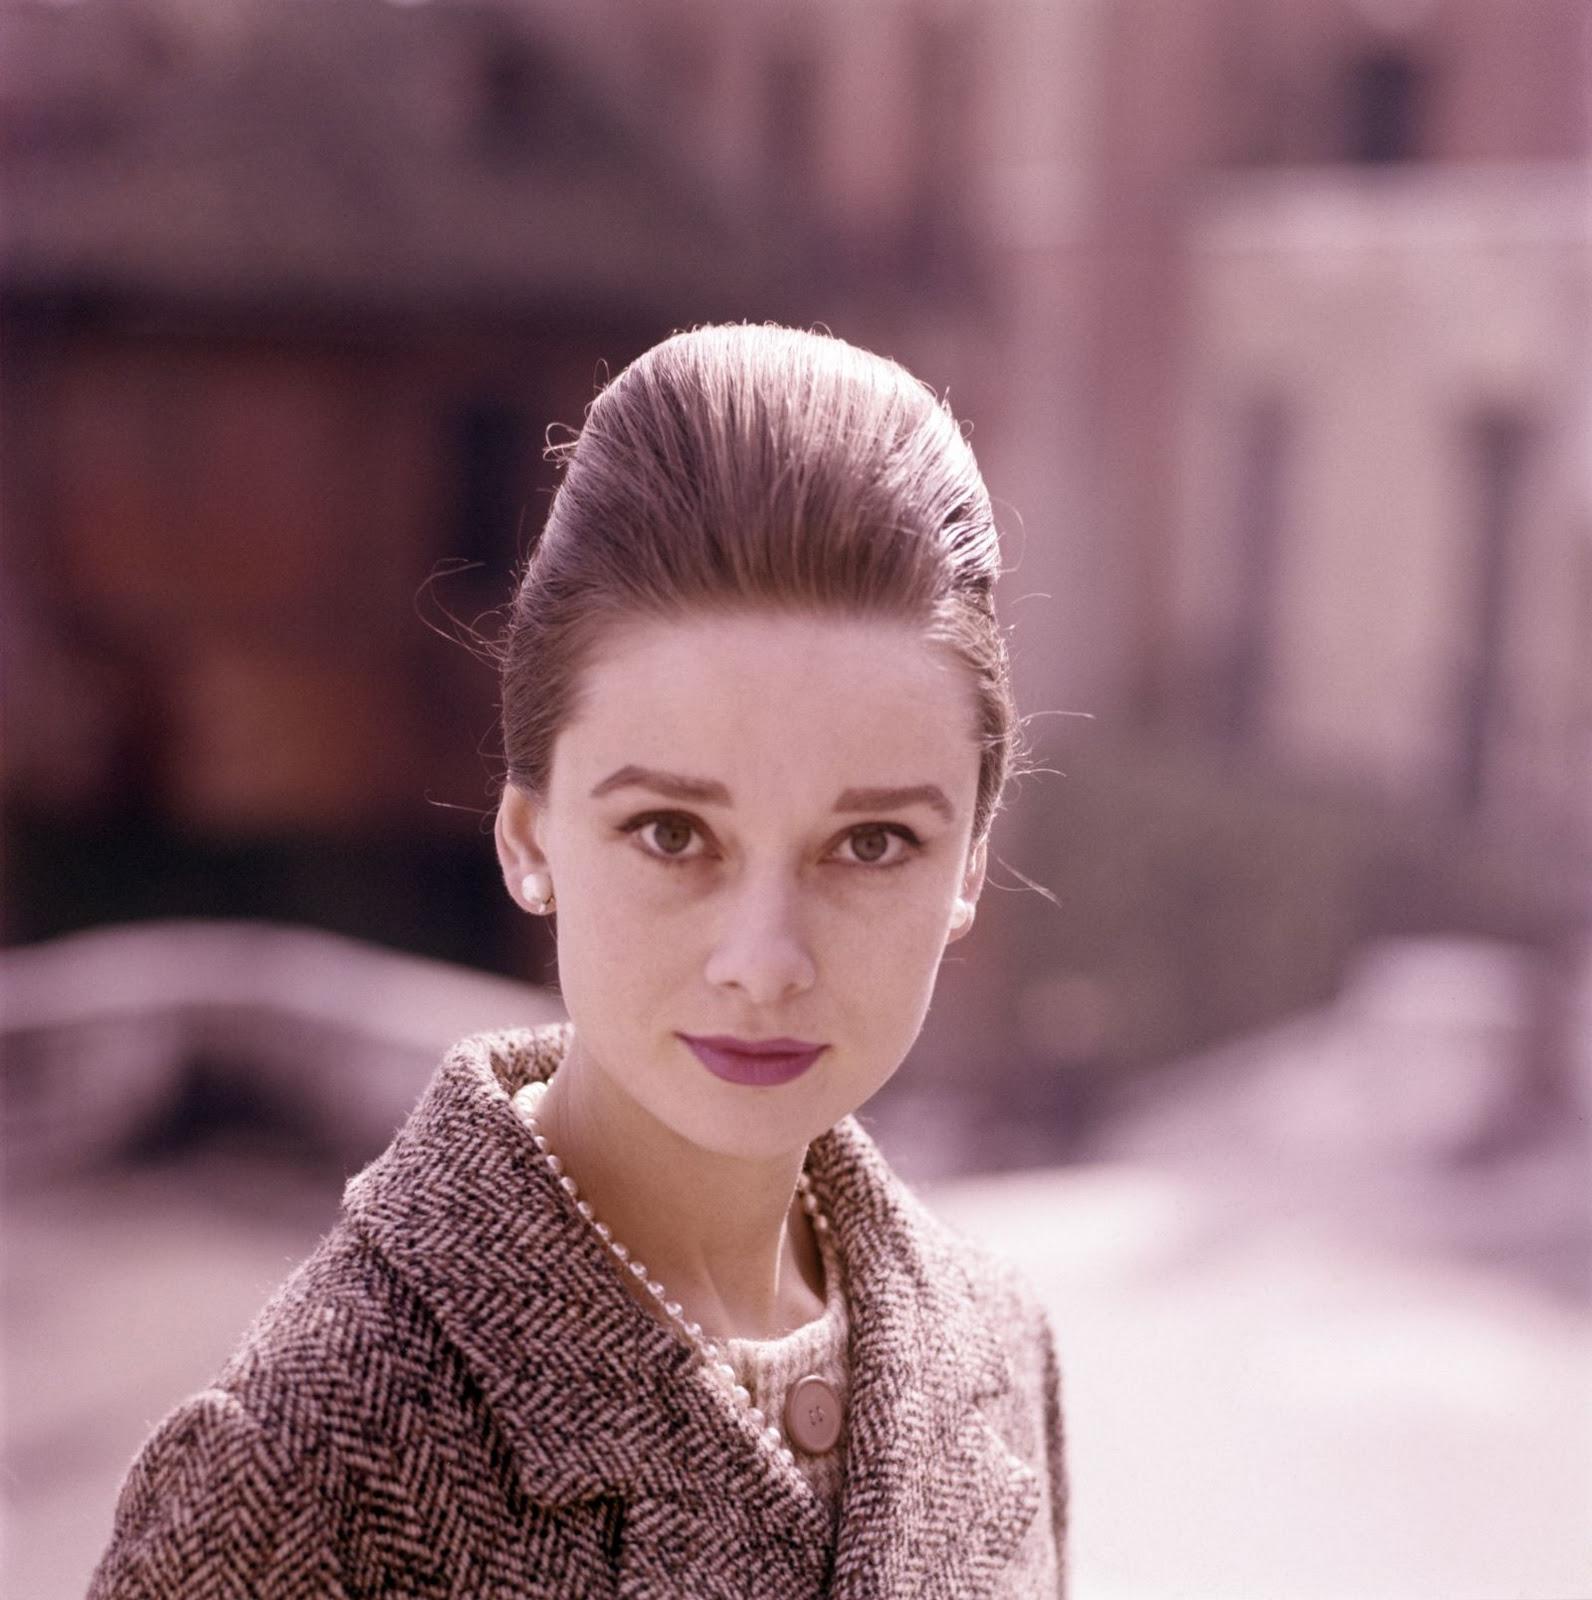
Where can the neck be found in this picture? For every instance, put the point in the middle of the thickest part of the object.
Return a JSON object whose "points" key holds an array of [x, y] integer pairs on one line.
{"points": [[726, 1235]]}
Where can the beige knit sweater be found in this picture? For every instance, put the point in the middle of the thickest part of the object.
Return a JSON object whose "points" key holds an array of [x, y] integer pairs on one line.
{"points": [[456, 1398], [770, 1367]]}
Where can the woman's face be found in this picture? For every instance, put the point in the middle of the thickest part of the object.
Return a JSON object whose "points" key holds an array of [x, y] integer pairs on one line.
{"points": [[757, 826]]}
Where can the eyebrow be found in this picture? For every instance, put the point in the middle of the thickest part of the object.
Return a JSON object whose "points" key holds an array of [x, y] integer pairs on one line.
{"points": [[706, 791]]}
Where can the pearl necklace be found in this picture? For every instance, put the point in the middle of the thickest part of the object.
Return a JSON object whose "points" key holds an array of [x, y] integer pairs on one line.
{"points": [[710, 1351]]}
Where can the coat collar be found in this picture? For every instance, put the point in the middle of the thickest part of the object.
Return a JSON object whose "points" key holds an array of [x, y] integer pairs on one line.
{"points": [[596, 1398]]}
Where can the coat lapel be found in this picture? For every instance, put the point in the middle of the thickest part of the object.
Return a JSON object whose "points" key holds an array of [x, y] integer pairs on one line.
{"points": [[935, 1503], [597, 1400]]}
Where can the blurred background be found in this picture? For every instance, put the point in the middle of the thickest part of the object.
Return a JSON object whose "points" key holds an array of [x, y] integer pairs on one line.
{"points": [[1271, 1060]]}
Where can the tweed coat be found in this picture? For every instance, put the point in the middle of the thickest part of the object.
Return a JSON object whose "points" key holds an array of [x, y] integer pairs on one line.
{"points": [[454, 1395]]}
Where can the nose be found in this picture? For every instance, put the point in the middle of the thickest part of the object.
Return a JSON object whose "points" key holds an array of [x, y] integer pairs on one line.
{"points": [[761, 949]]}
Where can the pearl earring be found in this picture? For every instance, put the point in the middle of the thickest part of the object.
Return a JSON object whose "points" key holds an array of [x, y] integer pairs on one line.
{"points": [[537, 887], [961, 916]]}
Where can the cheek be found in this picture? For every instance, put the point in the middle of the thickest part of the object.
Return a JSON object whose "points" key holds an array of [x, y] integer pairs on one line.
{"points": [[888, 950], [593, 942]]}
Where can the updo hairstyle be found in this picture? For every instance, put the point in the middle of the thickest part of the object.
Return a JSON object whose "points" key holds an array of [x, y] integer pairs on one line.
{"points": [[758, 468]]}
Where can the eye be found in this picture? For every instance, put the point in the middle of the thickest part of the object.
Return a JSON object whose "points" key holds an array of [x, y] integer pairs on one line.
{"points": [[666, 836], [871, 845]]}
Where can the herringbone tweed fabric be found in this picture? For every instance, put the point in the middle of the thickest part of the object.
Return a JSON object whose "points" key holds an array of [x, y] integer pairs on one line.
{"points": [[456, 1396]]}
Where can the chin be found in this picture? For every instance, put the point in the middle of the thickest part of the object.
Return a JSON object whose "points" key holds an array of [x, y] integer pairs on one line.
{"points": [[762, 1132]]}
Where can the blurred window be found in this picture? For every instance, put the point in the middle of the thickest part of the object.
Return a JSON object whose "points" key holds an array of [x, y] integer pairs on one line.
{"points": [[486, 448], [1264, 446], [1581, 733], [943, 69], [511, 112], [679, 55], [1383, 108], [790, 124], [1498, 442]]}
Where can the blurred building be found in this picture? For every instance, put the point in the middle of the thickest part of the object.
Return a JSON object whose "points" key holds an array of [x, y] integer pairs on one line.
{"points": [[1023, 191], [1384, 532], [1274, 318], [1271, 317], [291, 294]]}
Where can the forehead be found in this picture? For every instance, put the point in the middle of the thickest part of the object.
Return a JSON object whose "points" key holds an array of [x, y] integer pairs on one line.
{"points": [[780, 700]]}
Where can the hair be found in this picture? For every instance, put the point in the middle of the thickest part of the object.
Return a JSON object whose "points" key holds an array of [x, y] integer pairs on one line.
{"points": [[758, 468]]}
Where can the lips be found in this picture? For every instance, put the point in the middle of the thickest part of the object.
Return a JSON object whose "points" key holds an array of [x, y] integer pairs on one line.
{"points": [[758, 1063], [757, 1047]]}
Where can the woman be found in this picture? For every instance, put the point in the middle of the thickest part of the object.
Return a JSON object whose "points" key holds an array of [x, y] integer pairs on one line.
{"points": [[632, 1305]]}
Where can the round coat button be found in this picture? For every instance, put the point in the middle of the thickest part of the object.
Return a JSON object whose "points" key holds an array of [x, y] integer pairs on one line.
{"points": [[812, 1414]]}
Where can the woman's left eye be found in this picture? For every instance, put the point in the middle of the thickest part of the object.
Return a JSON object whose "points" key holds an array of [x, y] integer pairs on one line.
{"points": [[872, 845]]}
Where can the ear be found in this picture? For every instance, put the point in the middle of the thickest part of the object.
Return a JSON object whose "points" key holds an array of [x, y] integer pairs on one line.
{"points": [[518, 834], [967, 896]]}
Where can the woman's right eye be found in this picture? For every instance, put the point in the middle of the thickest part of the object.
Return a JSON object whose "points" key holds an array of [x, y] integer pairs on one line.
{"points": [[666, 837]]}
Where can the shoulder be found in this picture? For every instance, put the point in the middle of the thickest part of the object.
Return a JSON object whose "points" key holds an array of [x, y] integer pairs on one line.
{"points": [[1001, 1289], [213, 1506], [264, 1483], [860, 1180], [996, 1279], [1008, 1300], [1028, 1413], [345, 1359]]}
